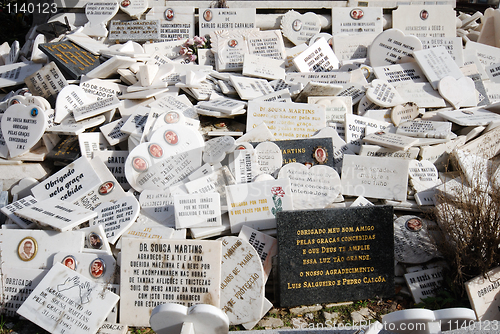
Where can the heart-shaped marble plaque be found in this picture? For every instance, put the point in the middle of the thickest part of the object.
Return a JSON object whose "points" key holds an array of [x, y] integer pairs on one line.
{"points": [[312, 188], [22, 127], [391, 47], [98, 14], [116, 217], [68, 99], [206, 319], [300, 28], [404, 112], [383, 94], [269, 158], [134, 8], [459, 93]]}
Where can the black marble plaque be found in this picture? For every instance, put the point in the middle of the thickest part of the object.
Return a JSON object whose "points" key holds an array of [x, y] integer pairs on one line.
{"points": [[71, 59], [67, 149], [310, 151], [335, 255]]}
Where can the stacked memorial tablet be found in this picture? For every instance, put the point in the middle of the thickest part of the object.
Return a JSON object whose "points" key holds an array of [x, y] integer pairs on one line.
{"points": [[153, 130]]}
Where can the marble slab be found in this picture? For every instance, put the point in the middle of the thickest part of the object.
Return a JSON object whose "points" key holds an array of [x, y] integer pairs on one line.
{"points": [[436, 64], [383, 152], [425, 20], [312, 188], [470, 117], [390, 140], [197, 210], [34, 249], [347, 48], [375, 177], [452, 44], [265, 245], [96, 108], [286, 120], [176, 22], [241, 267], [425, 129], [357, 127], [425, 283], [82, 305], [392, 47], [482, 293], [422, 93], [398, 73], [14, 74], [46, 82], [357, 20], [17, 284], [71, 182], [256, 204], [212, 19], [318, 57], [266, 43], [157, 271], [137, 30], [56, 214], [9, 210]]}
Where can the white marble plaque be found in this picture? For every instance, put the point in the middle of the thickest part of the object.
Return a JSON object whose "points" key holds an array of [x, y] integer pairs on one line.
{"points": [[265, 245], [458, 92], [470, 117], [116, 217], [55, 213], [14, 74], [98, 15], [112, 132], [452, 44], [422, 94], [487, 54], [102, 89], [425, 20], [299, 28], [482, 293], [339, 77], [425, 129], [212, 19], [267, 43], [390, 140], [398, 73], [392, 47], [17, 284], [357, 127], [67, 301], [384, 152], [167, 172], [412, 240], [197, 210], [312, 188], [22, 127], [286, 120], [346, 47], [348, 20], [9, 210], [436, 64], [260, 67], [69, 98], [374, 177], [319, 57], [155, 272], [269, 158], [35, 249], [115, 161], [46, 82], [96, 108], [242, 281], [256, 204], [158, 205], [249, 88], [71, 182], [91, 142], [176, 22], [135, 30], [383, 94], [424, 283]]}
